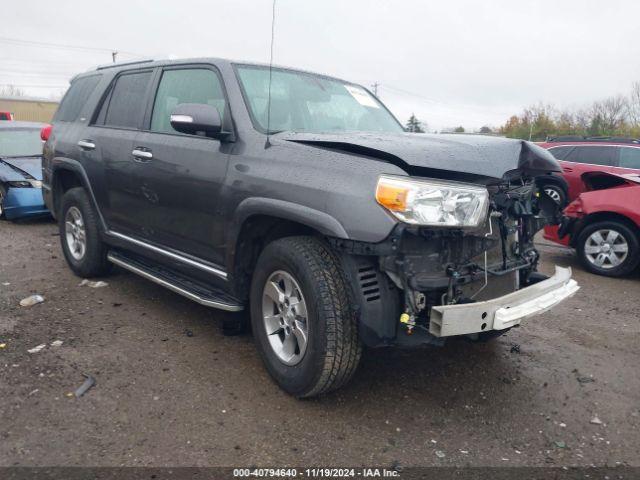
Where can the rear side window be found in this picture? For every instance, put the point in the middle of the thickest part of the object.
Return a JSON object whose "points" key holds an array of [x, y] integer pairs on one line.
{"points": [[125, 105], [605, 156], [560, 152], [630, 157], [195, 85], [76, 97]]}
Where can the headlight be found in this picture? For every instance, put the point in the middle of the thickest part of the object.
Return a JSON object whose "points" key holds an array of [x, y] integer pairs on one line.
{"points": [[433, 202]]}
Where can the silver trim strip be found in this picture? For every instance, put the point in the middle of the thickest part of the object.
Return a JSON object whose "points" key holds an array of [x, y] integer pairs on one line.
{"points": [[174, 288], [141, 154], [181, 119], [86, 144], [215, 271]]}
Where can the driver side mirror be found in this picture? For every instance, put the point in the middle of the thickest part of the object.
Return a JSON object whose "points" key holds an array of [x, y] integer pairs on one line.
{"points": [[197, 119]]}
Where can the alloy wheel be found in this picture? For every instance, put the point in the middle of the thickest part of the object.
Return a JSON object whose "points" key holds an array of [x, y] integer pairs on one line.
{"points": [[606, 249], [285, 318], [75, 233], [553, 194]]}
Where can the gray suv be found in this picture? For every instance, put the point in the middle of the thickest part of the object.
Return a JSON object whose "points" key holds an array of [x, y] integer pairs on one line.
{"points": [[300, 198]]}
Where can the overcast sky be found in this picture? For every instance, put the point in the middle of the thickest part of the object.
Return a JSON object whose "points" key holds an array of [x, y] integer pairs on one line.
{"points": [[452, 63]]}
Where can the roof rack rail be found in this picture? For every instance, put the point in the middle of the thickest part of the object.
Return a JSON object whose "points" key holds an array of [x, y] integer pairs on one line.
{"points": [[582, 138], [123, 64]]}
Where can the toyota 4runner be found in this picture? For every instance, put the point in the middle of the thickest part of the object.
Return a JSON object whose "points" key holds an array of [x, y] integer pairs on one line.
{"points": [[300, 198]]}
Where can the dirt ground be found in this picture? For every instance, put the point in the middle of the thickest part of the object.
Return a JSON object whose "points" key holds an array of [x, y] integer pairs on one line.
{"points": [[172, 390]]}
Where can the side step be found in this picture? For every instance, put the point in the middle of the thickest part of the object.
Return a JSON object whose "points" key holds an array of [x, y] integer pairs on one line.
{"points": [[196, 291]]}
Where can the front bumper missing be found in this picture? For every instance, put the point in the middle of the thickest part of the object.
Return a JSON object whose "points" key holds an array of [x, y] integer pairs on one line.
{"points": [[502, 312]]}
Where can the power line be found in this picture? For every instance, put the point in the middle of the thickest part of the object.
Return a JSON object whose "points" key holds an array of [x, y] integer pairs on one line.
{"points": [[475, 109], [31, 73], [24, 85], [33, 43]]}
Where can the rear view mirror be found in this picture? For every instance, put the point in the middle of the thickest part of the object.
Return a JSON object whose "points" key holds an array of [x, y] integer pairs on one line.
{"points": [[196, 118]]}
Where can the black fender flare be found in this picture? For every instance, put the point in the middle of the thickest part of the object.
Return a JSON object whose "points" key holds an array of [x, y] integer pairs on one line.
{"points": [[67, 164], [310, 217]]}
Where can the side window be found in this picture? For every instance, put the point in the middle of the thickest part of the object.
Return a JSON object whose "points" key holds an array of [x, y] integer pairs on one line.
{"points": [[195, 85], [125, 104], [560, 152], [76, 97], [593, 155], [630, 157]]}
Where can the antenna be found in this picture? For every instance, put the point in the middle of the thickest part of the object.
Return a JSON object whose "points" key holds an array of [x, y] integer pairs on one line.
{"points": [[273, 29]]}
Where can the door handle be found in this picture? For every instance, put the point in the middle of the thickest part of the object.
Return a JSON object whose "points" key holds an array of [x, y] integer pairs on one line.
{"points": [[87, 144], [141, 155]]}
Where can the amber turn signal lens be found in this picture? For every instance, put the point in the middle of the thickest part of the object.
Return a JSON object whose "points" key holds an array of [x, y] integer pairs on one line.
{"points": [[393, 197]]}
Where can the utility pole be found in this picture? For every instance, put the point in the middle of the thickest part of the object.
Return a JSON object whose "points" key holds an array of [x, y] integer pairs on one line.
{"points": [[375, 88], [114, 54]]}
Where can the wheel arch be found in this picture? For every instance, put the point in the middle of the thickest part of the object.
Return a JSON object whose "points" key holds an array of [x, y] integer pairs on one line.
{"points": [[603, 217], [66, 174], [553, 180], [259, 221]]}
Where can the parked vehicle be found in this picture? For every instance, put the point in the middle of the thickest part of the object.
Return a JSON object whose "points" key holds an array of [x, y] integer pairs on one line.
{"points": [[6, 116], [579, 155], [300, 197], [603, 224], [21, 170]]}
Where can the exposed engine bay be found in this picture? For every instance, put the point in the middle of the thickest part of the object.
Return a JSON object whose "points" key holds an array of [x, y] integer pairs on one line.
{"points": [[427, 267]]}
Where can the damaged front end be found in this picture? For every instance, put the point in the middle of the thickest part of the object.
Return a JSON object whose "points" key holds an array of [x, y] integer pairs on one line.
{"points": [[426, 283]]}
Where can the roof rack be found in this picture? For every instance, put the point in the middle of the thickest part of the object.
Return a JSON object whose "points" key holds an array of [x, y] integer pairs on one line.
{"points": [[123, 64], [582, 138]]}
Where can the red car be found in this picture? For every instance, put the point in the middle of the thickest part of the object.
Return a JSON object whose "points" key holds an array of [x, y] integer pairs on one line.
{"points": [[591, 154], [603, 224]]}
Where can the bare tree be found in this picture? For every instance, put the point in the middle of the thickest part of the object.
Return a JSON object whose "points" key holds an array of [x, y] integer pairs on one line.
{"points": [[11, 91], [608, 116], [633, 108]]}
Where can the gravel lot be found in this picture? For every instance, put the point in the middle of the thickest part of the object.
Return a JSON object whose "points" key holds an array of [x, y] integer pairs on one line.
{"points": [[172, 390]]}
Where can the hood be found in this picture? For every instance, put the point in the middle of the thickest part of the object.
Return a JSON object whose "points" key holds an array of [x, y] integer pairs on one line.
{"points": [[479, 155], [26, 167]]}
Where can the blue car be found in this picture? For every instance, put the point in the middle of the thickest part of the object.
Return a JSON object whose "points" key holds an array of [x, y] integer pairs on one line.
{"points": [[21, 170]]}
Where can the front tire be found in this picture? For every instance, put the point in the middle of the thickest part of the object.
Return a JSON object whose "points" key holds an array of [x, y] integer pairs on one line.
{"points": [[302, 317], [556, 193], [608, 248], [82, 246]]}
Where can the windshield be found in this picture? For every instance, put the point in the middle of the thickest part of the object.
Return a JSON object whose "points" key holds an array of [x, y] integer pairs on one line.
{"points": [[302, 102], [20, 143]]}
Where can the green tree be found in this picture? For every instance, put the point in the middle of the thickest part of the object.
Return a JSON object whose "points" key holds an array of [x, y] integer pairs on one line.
{"points": [[414, 125], [459, 129]]}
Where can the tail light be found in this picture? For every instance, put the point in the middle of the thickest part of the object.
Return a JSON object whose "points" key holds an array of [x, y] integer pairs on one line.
{"points": [[45, 132]]}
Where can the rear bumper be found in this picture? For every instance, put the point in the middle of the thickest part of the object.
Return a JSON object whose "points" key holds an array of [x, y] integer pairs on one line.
{"points": [[24, 202], [503, 312]]}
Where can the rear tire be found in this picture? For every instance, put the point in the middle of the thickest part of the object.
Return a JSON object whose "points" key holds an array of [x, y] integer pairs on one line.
{"points": [[3, 195], [312, 302], [598, 243], [79, 229]]}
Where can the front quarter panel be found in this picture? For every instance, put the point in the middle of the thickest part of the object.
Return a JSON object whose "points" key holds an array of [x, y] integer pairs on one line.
{"points": [[336, 190]]}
